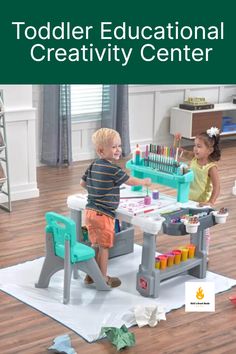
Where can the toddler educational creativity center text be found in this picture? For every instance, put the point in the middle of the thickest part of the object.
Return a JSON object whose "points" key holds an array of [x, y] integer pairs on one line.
{"points": [[120, 43]]}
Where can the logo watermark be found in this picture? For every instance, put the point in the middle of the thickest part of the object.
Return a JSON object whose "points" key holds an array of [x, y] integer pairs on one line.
{"points": [[199, 297]]}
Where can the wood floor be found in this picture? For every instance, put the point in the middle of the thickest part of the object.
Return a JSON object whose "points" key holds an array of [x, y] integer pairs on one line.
{"points": [[25, 330]]}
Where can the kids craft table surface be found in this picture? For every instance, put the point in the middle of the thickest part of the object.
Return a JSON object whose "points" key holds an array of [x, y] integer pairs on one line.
{"points": [[151, 223]]}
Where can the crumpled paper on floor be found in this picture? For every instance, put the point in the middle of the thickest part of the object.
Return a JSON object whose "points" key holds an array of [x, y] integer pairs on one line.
{"points": [[119, 337], [149, 315], [62, 344]]}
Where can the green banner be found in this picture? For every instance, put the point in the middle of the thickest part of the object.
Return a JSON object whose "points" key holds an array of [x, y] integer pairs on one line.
{"points": [[149, 42]]}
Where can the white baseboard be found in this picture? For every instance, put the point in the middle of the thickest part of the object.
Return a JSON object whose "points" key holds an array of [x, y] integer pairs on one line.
{"points": [[21, 192]]}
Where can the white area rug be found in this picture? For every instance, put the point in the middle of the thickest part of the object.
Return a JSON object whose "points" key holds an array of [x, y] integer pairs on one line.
{"points": [[89, 310]]}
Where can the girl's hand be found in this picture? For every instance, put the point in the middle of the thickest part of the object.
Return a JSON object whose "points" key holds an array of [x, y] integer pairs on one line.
{"points": [[178, 136], [147, 182], [177, 140]]}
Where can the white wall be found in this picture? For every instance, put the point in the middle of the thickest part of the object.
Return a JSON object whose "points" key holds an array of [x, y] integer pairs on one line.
{"points": [[20, 127], [149, 113], [150, 105]]}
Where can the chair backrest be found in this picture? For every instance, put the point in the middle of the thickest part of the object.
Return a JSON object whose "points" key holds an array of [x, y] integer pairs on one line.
{"points": [[62, 229]]}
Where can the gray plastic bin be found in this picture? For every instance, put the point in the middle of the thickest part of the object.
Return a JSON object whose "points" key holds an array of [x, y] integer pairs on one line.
{"points": [[124, 241]]}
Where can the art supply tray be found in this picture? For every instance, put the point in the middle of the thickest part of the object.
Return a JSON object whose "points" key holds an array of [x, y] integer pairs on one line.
{"points": [[174, 180], [160, 176], [178, 228]]}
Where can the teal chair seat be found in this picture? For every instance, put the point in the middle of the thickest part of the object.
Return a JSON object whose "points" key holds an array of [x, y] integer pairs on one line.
{"points": [[79, 252]]}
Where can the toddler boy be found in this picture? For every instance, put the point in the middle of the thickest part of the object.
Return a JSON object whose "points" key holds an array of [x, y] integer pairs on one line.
{"points": [[102, 179]]}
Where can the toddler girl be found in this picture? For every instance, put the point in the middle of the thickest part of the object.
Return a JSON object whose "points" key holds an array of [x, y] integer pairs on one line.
{"points": [[205, 187]]}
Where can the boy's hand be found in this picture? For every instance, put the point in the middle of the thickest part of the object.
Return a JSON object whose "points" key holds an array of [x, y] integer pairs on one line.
{"points": [[147, 182]]}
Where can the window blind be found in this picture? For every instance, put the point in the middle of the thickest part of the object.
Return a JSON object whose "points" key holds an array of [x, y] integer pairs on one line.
{"points": [[86, 102]]}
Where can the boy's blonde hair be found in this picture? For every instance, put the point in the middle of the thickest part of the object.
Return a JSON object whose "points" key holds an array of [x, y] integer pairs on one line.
{"points": [[103, 137]]}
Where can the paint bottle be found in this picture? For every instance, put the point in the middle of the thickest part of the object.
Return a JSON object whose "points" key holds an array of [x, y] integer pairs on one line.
{"points": [[146, 155], [137, 155], [155, 194], [147, 200]]}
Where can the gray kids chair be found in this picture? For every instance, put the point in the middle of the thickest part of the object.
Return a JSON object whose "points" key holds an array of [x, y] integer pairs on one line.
{"points": [[63, 251]]}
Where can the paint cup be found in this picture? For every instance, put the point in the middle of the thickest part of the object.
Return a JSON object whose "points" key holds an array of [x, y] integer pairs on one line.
{"points": [[184, 254], [157, 263], [155, 195], [170, 259], [191, 228], [147, 200], [191, 250], [220, 218], [163, 261], [177, 254]]}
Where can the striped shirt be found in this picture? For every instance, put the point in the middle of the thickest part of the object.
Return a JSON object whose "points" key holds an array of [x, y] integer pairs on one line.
{"points": [[103, 180]]}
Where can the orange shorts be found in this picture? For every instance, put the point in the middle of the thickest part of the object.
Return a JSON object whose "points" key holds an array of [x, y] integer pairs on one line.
{"points": [[101, 228]]}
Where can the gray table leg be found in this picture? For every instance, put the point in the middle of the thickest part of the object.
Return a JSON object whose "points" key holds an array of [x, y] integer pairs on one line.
{"points": [[199, 240], [76, 215], [148, 278]]}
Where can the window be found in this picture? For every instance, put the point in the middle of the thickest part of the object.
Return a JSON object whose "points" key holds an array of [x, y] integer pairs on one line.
{"points": [[86, 102]]}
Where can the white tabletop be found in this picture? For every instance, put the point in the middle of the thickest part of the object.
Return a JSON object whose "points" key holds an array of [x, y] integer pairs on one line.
{"points": [[149, 220]]}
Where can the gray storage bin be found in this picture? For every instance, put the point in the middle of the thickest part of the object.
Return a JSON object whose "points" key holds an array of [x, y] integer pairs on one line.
{"points": [[124, 241]]}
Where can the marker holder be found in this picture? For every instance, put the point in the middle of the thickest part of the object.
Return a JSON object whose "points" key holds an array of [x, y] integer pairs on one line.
{"points": [[164, 174]]}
